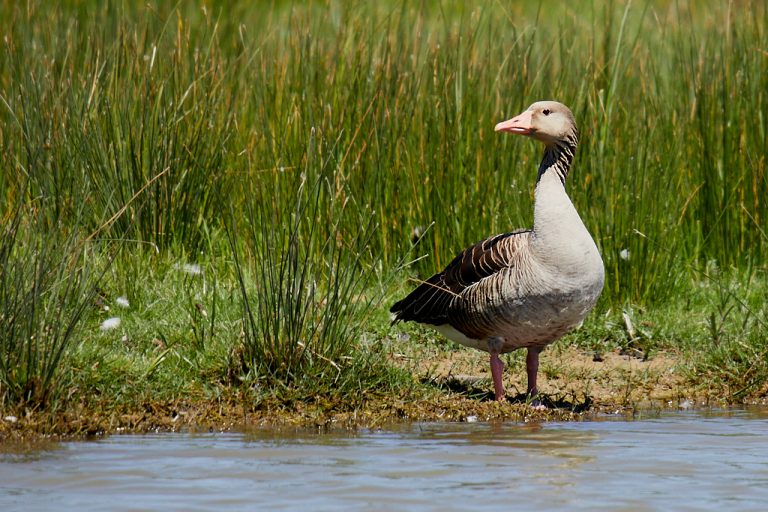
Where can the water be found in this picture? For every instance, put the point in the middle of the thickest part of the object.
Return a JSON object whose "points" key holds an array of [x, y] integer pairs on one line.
{"points": [[674, 461]]}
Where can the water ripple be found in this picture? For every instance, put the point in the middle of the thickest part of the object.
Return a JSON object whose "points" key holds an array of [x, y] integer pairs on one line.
{"points": [[688, 460]]}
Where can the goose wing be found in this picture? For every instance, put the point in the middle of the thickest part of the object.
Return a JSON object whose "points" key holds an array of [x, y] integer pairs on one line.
{"points": [[430, 302]]}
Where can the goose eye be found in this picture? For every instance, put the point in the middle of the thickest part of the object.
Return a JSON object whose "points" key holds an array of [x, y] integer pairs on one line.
{"points": [[546, 111]]}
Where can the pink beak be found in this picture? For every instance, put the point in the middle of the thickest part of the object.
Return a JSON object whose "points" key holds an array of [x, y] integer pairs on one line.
{"points": [[520, 124]]}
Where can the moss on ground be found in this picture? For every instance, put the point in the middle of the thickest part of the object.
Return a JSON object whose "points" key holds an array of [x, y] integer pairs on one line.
{"points": [[449, 385]]}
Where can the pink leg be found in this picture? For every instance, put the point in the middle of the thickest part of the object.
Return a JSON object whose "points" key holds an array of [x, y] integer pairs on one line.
{"points": [[497, 371], [532, 369]]}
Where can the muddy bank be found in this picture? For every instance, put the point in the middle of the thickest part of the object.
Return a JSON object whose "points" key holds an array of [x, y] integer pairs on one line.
{"points": [[452, 385]]}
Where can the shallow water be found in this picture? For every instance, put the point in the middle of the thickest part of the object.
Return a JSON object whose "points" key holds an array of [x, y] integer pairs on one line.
{"points": [[672, 461]]}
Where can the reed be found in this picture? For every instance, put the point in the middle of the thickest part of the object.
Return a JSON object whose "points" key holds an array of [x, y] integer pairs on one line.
{"points": [[304, 274], [127, 118], [47, 284], [147, 119]]}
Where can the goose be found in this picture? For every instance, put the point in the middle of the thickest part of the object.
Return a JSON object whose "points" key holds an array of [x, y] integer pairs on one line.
{"points": [[528, 287]]}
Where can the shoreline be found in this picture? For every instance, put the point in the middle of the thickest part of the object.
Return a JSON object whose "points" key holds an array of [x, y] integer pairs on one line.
{"points": [[452, 389]]}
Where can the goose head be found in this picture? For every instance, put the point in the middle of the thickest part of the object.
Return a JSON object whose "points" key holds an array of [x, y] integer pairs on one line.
{"points": [[547, 121]]}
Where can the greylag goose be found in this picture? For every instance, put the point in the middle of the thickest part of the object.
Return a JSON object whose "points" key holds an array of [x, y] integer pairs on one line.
{"points": [[526, 288]]}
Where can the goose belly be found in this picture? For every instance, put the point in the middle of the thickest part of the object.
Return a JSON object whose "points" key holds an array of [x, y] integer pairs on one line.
{"points": [[522, 320]]}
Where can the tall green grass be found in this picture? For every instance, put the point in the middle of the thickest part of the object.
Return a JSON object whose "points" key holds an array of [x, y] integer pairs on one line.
{"points": [[47, 283], [413, 91], [127, 118], [304, 281], [148, 119]]}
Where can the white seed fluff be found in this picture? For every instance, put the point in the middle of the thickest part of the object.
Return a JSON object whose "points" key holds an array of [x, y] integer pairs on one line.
{"points": [[110, 323]]}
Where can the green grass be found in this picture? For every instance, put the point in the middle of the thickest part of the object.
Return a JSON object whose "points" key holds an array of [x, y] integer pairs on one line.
{"points": [[47, 283], [306, 291], [293, 151]]}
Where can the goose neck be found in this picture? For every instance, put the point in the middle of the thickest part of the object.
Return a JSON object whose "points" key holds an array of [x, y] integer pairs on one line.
{"points": [[556, 221], [558, 158]]}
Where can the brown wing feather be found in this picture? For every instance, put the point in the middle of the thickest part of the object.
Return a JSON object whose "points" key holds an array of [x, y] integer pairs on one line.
{"points": [[430, 302]]}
